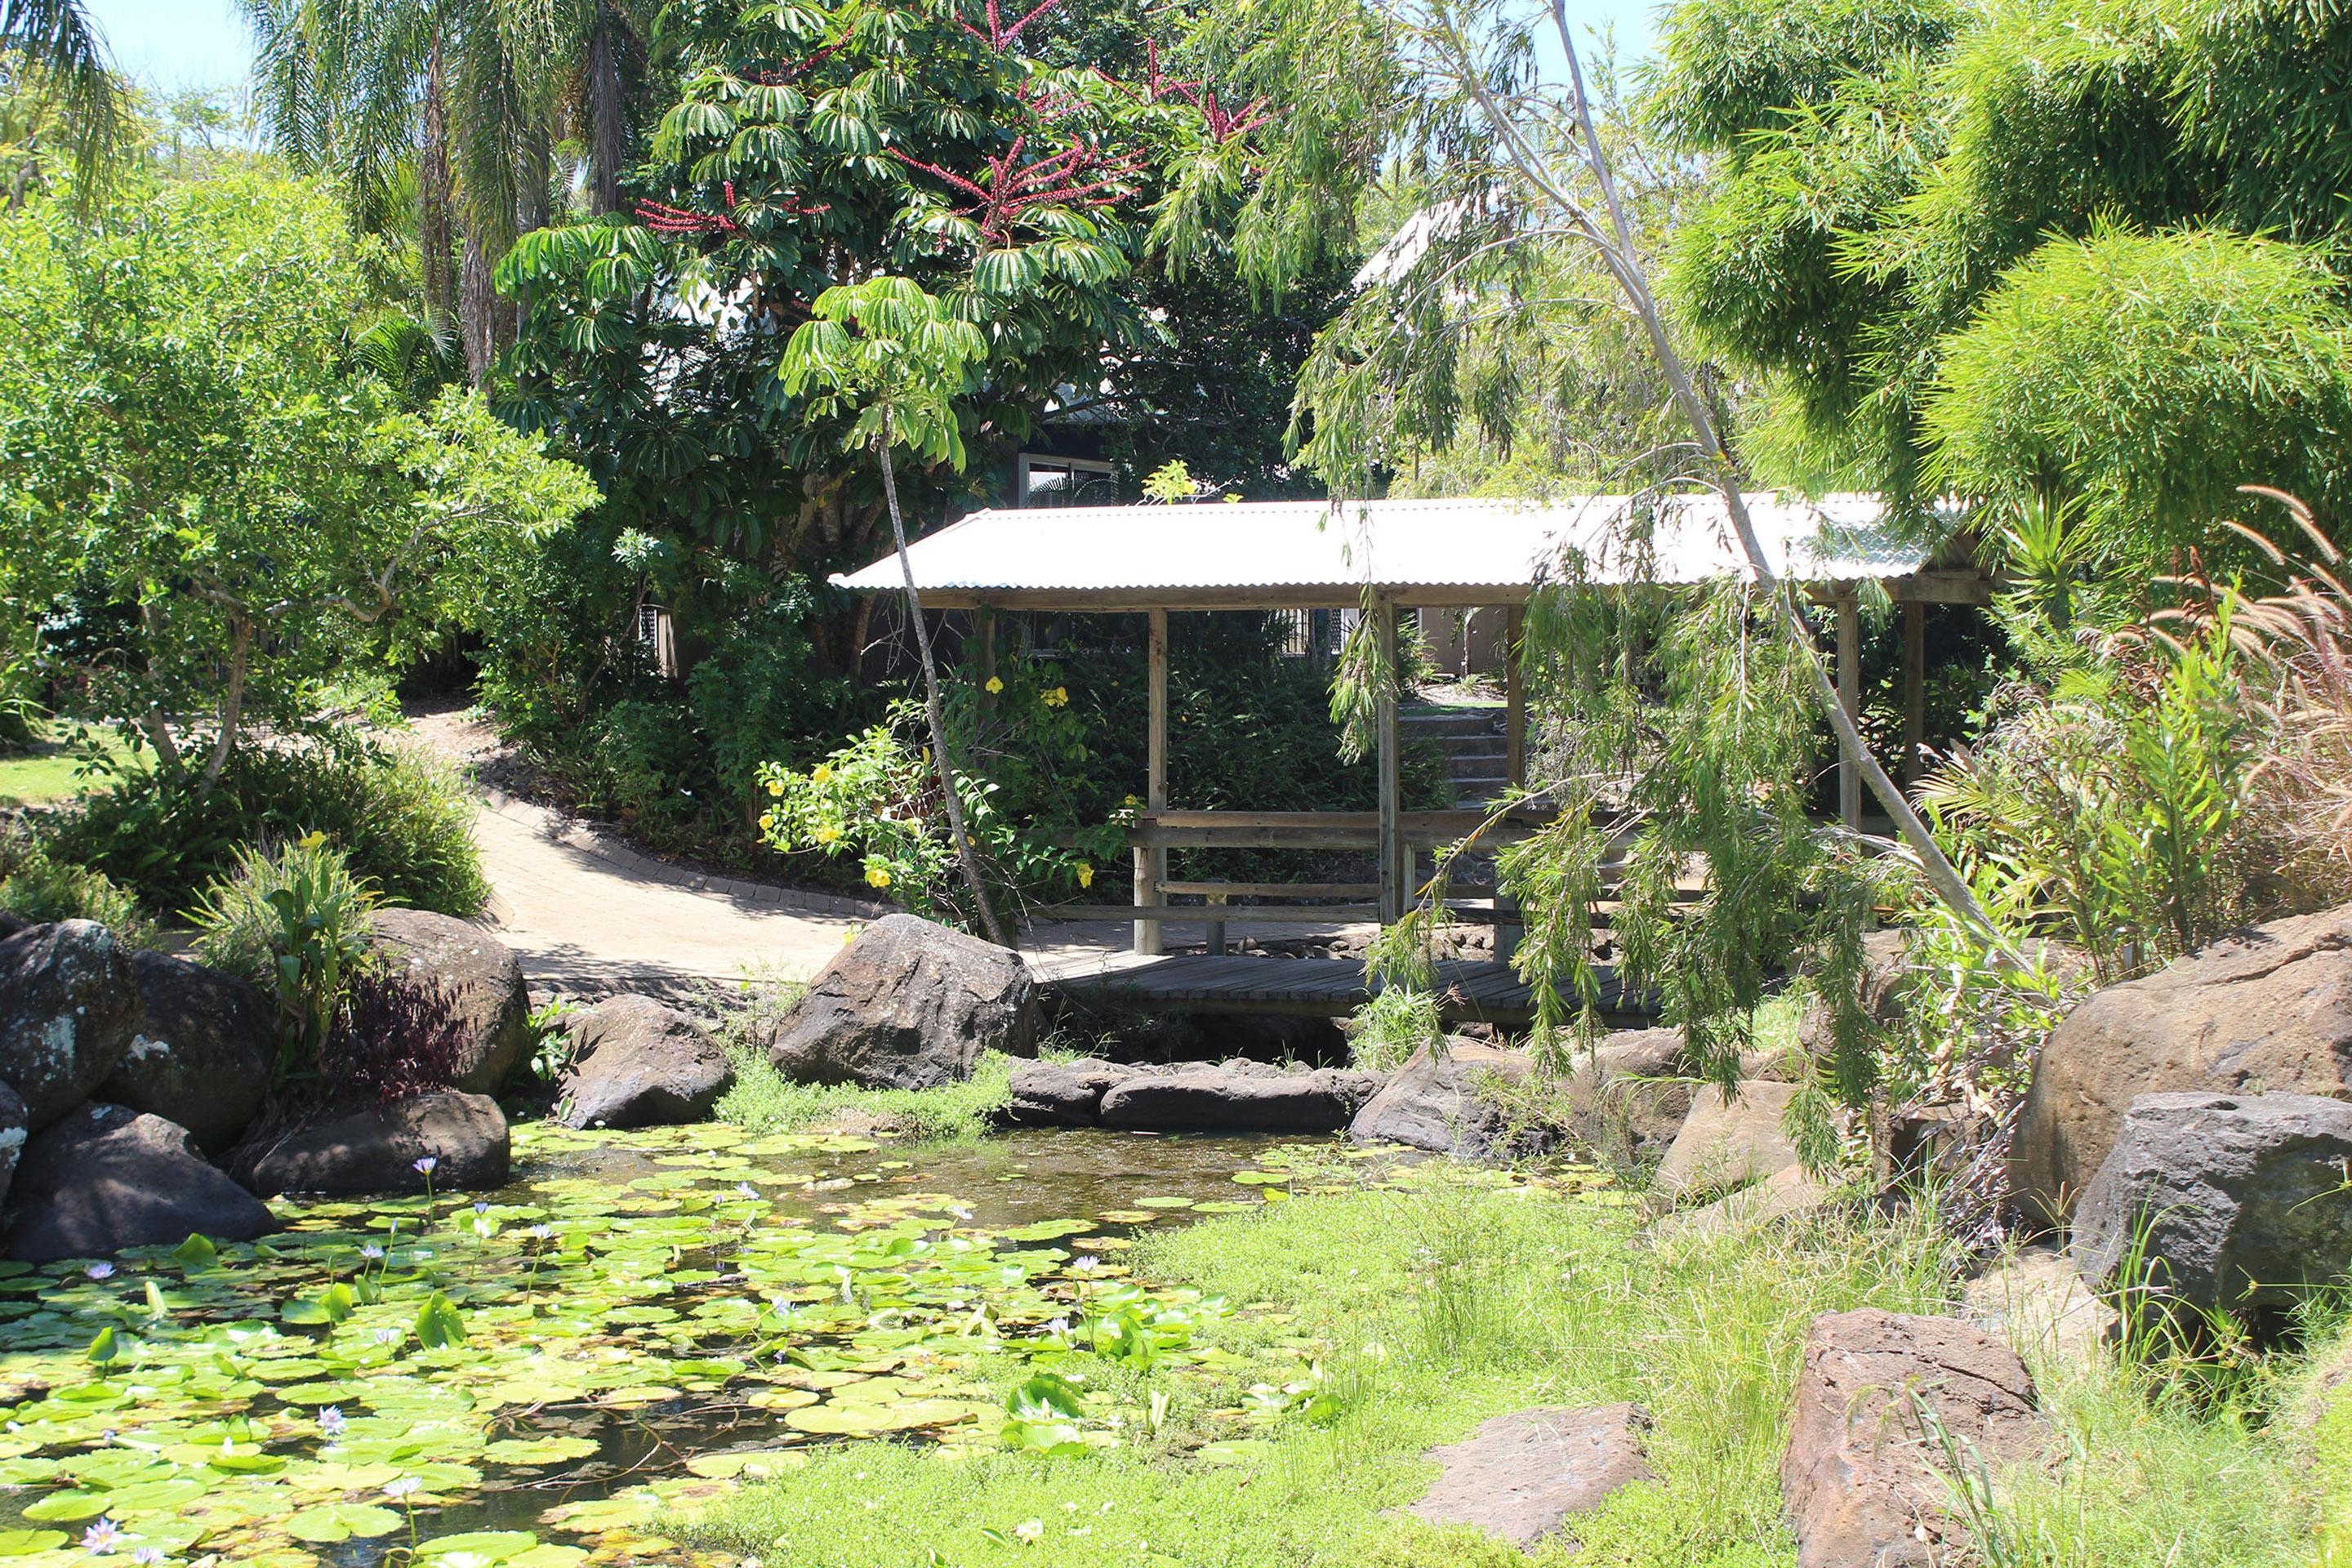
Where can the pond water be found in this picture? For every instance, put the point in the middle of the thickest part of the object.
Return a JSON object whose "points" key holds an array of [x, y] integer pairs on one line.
{"points": [[640, 1320]]}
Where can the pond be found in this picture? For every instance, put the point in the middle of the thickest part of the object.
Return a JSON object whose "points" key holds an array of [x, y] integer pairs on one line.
{"points": [[641, 1319]]}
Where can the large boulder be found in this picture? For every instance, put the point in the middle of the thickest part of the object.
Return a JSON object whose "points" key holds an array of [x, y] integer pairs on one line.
{"points": [[908, 1005], [1862, 1479], [1065, 1094], [205, 1054], [1727, 1141], [1524, 1477], [2268, 1012], [636, 1063], [1239, 1096], [1449, 1105], [108, 1177], [2235, 1203], [1625, 1102], [69, 1007], [481, 976], [347, 1150]]}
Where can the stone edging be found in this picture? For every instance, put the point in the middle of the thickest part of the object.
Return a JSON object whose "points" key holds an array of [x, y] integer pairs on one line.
{"points": [[579, 835]]}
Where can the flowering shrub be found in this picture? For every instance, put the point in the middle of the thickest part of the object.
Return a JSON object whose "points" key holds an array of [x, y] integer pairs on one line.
{"points": [[1026, 755]]}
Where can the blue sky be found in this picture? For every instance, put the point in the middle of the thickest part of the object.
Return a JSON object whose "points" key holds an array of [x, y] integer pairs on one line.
{"points": [[204, 42]]}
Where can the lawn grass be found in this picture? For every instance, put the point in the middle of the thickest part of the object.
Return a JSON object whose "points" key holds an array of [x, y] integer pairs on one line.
{"points": [[1429, 1309], [51, 772], [1433, 1307]]}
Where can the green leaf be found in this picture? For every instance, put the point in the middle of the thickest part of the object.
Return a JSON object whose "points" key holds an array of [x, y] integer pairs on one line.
{"points": [[439, 1323], [104, 1348], [336, 1521]]}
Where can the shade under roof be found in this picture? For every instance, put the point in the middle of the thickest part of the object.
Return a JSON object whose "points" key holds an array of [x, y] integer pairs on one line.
{"points": [[1312, 553]]}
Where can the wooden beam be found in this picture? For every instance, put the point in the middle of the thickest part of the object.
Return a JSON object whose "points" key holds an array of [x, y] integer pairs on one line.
{"points": [[1915, 688], [986, 630], [1152, 860], [1391, 761], [1849, 685], [1515, 700]]}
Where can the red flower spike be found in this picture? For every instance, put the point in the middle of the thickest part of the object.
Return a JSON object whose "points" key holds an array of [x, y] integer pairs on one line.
{"points": [[1077, 176], [779, 78], [999, 36]]}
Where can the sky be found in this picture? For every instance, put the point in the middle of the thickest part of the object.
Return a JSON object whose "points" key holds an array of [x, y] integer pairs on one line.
{"points": [[204, 42]]}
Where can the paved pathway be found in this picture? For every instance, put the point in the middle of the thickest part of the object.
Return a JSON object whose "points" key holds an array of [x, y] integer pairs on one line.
{"points": [[590, 916]]}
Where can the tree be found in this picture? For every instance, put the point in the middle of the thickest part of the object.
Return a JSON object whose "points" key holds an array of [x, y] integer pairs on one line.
{"points": [[461, 100], [58, 42], [2015, 251], [226, 507]]}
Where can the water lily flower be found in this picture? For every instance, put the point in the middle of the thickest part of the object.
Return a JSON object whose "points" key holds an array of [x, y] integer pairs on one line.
{"points": [[100, 1270], [1030, 1529], [542, 1231], [746, 1190], [102, 1537], [424, 1165], [1087, 1264], [148, 1554], [372, 1252], [481, 1206], [403, 1485], [330, 1421], [388, 1336]]}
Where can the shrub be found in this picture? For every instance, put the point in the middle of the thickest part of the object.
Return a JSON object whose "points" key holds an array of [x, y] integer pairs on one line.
{"points": [[404, 821], [391, 1038], [293, 919], [39, 886]]}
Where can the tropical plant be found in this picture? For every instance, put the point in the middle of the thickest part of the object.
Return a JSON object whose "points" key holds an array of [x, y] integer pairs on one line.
{"points": [[57, 45], [391, 1038], [292, 919], [38, 886]]}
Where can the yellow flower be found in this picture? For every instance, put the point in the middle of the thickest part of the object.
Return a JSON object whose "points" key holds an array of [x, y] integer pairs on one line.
{"points": [[995, 685], [311, 840], [827, 835], [878, 877], [775, 786], [1057, 698], [1086, 875], [824, 774], [767, 822]]}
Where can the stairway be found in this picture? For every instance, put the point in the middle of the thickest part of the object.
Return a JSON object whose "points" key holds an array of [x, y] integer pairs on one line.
{"points": [[1472, 740]]}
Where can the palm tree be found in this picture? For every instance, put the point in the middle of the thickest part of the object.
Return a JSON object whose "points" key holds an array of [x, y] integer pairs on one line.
{"points": [[469, 95], [61, 42]]}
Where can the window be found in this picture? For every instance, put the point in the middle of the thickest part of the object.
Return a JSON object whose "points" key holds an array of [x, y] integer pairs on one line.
{"points": [[1047, 481]]}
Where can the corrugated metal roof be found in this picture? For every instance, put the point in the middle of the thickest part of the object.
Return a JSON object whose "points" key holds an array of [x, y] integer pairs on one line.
{"points": [[1312, 546]]}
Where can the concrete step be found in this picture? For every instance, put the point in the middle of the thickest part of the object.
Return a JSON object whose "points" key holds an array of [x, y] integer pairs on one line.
{"points": [[1441, 723]]}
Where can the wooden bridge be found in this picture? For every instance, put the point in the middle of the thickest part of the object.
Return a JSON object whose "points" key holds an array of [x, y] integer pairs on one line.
{"points": [[1313, 987]]}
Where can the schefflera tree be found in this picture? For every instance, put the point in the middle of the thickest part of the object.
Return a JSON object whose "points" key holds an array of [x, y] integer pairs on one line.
{"points": [[975, 153]]}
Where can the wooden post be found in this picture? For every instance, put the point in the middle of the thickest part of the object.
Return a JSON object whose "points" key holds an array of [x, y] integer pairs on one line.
{"points": [[1151, 864], [1915, 694], [1508, 928], [1849, 684], [1391, 761], [1216, 927], [986, 631]]}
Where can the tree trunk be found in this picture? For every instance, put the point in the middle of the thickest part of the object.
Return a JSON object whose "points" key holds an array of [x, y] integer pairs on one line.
{"points": [[436, 200], [608, 127], [478, 311], [932, 703], [232, 702]]}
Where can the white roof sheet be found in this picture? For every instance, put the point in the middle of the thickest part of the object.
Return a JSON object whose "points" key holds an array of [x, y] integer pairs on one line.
{"points": [[1400, 544]]}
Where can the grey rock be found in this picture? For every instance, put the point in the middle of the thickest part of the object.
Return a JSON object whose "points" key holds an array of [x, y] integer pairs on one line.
{"points": [[481, 974], [1861, 1478], [2267, 1012], [347, 1150], [69, 1007], [910, 1005], [204, 1056], [636, 1063], [1064, 1094], [1727, 1142], [1625, 1103], [2035, 1300], [1524, 1478], [14, 1130], [1449, 1106], [1218, 1100], [2241, 1199], [107, 1178], [1787, 1194]]}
